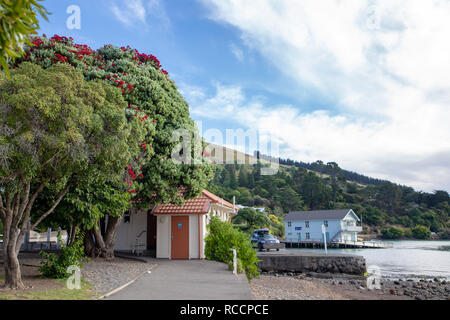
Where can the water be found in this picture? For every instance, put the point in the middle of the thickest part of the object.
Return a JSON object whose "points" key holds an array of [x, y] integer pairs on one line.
{"points": [[407, 259]]}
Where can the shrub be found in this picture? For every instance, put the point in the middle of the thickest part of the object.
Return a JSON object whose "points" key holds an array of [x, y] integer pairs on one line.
{"points": [[408, 233], [239, 267], [421, 232], [392, 233], [221, 238], [54, 266]]}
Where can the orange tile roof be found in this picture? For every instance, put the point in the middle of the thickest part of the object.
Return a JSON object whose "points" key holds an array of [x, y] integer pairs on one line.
{"points": [[217, 199], [198, 205]]}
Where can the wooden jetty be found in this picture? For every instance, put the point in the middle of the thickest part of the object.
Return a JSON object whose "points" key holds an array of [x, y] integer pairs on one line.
{"points": [[340, 244]]}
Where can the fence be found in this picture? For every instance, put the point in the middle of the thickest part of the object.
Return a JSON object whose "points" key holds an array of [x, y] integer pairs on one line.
{"points": [[40, 241]]}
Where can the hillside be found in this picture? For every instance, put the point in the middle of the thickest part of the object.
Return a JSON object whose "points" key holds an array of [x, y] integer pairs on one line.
{"points": [[388, 210]]}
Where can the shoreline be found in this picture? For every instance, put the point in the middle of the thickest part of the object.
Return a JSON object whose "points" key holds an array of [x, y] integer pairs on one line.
{"points": [[327, 286]]}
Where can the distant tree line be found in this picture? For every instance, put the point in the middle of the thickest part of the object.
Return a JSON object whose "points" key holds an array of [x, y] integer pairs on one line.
{"points": [[292, 188]]}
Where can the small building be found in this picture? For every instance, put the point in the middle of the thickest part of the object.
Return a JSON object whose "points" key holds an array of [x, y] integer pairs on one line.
{"points": [[171, 231], [306, 226]]}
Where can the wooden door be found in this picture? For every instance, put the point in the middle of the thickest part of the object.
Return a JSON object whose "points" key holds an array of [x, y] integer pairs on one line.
{"points": [[180, 237]]}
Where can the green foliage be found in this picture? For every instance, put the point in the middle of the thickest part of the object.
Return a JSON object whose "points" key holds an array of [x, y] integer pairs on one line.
{"points": [[407, 233], [276, 226], [59, 128], [252, 218], [58, 125], [221, 238], [381, 204], [54, 266], [392, 233], [373, 216], [239, 267], [18, 21], [421, 232], [152, 100]]}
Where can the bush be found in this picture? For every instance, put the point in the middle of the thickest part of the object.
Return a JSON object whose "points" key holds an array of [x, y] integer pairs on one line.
{"points": [[421, 232], [392, 233], [408, 233], [54, 266], [239, 267], [221, 238]]}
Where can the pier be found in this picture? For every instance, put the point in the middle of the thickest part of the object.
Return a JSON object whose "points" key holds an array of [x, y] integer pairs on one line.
{"points": [[340, 244]]}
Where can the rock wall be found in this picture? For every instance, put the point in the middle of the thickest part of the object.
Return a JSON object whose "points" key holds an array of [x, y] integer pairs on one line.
{"points": [[310, 263]]}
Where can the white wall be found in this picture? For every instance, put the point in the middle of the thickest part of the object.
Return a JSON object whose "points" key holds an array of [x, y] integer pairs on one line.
{"points": [[193, 236], [163, 236], [127, 232], [205, 220], [222, 212], [314, 230]]}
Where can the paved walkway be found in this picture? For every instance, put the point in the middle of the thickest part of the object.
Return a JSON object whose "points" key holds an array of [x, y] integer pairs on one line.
{"points": [[187, 280]]}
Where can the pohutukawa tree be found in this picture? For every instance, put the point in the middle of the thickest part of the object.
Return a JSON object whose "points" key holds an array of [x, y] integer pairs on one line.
{"points": [[154, 101], [19, 20], [57, 132]]}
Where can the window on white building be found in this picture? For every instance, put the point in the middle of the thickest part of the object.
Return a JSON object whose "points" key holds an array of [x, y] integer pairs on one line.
{"points": [[308, 236], [307, 224], [289, 223], [325, 223]]}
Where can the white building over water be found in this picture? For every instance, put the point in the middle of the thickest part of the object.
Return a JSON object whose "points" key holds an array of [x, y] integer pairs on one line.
{"points": [[306, 226]]}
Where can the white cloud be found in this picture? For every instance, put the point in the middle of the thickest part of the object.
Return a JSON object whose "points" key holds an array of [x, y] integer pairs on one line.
{"points": [[384, 149], [237, 52], [384, 63], [129, 12], [136, 13]]}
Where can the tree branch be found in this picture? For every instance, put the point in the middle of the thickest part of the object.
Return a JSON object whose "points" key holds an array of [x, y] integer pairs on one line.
{"points": [[58, 200], [2, 208], [30, 205]]}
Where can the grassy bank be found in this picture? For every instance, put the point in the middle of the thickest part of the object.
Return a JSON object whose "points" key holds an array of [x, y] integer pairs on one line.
{"points": [[60, 293]]}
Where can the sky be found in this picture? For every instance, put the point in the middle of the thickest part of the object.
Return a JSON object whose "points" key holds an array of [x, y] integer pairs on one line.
{"points": [[362, 83]]}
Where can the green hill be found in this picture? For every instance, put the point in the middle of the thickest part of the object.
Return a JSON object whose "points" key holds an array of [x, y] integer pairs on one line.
{"points": [[388, 210]]}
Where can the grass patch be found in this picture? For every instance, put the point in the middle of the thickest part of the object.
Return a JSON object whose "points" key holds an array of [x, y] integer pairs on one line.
{"points": [[85, 293]]}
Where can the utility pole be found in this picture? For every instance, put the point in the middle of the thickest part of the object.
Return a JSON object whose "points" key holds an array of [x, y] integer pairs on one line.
{"points": [[324, 238]]}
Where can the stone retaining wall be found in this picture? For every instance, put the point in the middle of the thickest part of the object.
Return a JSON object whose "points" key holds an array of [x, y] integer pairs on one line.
{"points": [[310, 263]]}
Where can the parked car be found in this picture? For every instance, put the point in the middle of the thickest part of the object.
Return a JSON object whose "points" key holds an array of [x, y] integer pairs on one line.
{"points": [[263, 239]]}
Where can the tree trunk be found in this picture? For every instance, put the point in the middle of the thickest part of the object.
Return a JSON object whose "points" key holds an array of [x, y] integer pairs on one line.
{"points": [[72, 236], [15, 213], [97, 245], [13, 278]]}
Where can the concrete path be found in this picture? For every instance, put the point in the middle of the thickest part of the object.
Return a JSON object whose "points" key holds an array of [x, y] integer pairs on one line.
{"points": [[187, 280]]}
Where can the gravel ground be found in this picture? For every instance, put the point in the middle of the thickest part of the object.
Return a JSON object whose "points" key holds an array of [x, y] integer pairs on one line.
{"points": [[109, 275], [104, 275], [285, 288], [340, 287]]}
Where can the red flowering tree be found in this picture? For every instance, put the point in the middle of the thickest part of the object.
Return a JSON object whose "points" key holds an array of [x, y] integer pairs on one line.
{"points": [[154, 101], [52, 122]]}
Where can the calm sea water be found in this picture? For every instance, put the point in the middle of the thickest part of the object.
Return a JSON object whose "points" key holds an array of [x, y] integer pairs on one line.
{"points": [[407, 259]]}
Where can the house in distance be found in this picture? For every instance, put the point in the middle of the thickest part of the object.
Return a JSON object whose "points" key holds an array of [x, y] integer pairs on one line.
{"points": [[306, 226]]}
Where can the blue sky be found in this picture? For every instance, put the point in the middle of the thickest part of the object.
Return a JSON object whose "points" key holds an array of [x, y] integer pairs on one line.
{"points": [[365, 84]]}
